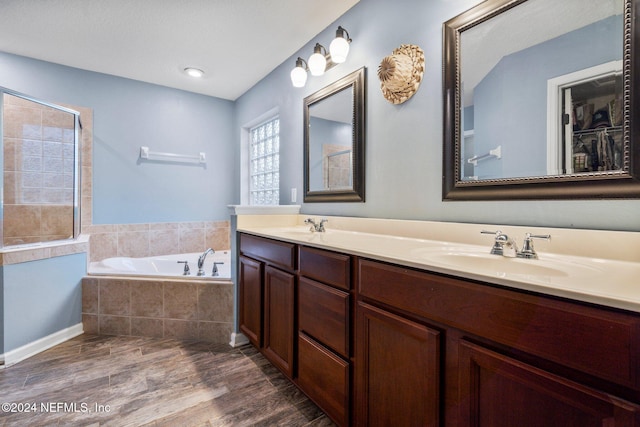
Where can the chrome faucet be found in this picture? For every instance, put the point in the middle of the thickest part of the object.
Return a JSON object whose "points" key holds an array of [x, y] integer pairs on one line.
{"points": [[201, 261], [505, 246], [316, 227]]}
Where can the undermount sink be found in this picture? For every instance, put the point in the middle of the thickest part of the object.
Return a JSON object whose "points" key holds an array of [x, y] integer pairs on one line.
{"points": [[498, 265], [495, 265]]}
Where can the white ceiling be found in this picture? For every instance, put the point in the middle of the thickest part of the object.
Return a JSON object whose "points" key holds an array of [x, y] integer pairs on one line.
{"points": [[236, 42]]}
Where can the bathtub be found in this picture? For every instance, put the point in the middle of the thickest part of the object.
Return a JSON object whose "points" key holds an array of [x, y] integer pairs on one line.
{"points": [[166, 266], [150, 297]]}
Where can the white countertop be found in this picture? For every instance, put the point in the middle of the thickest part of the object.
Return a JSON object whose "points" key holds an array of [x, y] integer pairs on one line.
{"points": [[585, 277]]}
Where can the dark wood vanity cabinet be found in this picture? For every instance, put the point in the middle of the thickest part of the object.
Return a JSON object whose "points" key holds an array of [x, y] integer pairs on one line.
{"points": [[324, 330], [501, 357], [295, 306], [267, 298], [374, 343], [250, 274]]}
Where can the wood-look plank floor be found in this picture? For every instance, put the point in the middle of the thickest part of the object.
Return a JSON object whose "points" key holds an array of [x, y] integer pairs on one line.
{"points": [[128, 381]]}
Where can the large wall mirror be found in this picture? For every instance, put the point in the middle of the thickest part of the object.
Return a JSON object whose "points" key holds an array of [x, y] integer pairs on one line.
{"points": [[539, 100], [41, 181], [334, 141]]}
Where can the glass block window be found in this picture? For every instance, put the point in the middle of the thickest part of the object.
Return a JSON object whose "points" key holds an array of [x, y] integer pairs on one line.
{"points": [[264, 155]]}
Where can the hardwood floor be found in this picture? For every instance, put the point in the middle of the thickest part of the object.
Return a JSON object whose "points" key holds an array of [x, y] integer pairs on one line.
{"points": [[129, 381]]}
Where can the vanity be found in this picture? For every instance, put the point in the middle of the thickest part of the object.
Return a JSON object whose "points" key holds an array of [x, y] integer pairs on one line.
{"points": [[386, 329]]}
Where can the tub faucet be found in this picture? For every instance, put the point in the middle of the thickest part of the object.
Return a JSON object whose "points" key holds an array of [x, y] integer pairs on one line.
{"points": [[316, 227], [201, 261]]}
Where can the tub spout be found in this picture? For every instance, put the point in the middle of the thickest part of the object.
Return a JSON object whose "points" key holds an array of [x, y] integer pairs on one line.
{"points": [[201, 261]]}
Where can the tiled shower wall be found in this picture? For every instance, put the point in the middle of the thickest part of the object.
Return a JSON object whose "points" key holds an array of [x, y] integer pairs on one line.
{"points": [[142, 240], [38, 172]]}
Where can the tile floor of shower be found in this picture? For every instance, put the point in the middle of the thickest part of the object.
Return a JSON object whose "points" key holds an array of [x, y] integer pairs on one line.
{"points": [[140, 381]]}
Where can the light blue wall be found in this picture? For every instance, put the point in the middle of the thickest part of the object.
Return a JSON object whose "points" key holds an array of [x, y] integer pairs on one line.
{"points": [[523, 76], [41, 298], [127, 115], [404, 142]]}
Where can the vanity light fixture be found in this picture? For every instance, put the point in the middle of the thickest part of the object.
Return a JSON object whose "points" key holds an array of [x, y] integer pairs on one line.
{"points": [[299, 73], [339, 47], [318, 61], [321, 60], [194, 72]]}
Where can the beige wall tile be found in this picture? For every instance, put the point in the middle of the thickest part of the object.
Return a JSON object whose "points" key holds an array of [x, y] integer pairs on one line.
{"points": [[21, 220], [57, 220], [147, 299], [133, 243], [164, 241], [115, 297], [180, 301], [218, 238], [180, 329], [90, 294], [164, 226], [103, 245], [132, 227], [215, 302], [91, 324], [192, 240], [215, 332], [115, 325], [101, 228], [145, 327]]}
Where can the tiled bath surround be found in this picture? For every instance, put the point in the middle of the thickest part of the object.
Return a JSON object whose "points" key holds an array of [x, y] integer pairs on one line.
{"points": [[142, 240], [162, 308], [179, 309]]}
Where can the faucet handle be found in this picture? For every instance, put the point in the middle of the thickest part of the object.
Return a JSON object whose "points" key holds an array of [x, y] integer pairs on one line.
{"points": [[214, 272], [527, 247], [490, 232], [186, 270], [497, 248]]}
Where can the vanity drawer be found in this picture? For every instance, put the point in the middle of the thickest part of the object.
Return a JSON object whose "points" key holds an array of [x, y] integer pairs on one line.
{"points": [[324, 377], [598, 341], [327, 267], [323, 313], [280, 254]]}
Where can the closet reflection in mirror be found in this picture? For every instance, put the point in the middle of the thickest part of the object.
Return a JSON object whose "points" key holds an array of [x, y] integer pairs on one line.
{"points": [[334, 141], [40, 179], [541, 91]]}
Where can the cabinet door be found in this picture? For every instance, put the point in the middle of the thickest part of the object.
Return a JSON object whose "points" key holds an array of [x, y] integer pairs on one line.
{"points": [[279, 288], [397, 370], [495, 391], [250, 291]]}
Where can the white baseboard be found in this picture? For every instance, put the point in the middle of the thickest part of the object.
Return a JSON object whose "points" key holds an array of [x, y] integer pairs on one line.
{"points": [[14, 356], [238, 339]]}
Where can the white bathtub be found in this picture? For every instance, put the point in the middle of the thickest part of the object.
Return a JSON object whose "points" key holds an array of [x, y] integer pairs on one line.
{"points": [[164, 266]]}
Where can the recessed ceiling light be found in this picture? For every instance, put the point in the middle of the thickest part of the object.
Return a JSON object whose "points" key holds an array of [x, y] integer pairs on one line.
{"points": [[194, 72]]}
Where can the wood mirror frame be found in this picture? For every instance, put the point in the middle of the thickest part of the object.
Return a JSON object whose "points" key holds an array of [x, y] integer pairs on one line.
{"points": [[355, 81], [624, 183]]}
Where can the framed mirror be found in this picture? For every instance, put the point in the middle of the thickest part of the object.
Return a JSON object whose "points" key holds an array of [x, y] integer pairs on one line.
{"points": [[334, 141], [539, 100]]}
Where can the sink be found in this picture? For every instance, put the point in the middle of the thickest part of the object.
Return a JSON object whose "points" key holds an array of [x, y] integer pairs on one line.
{"points": [[498, 265]]}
